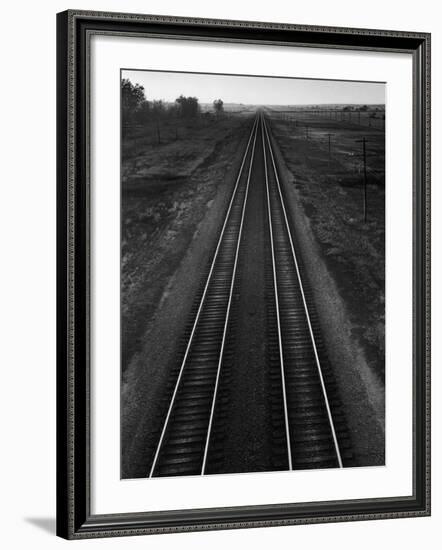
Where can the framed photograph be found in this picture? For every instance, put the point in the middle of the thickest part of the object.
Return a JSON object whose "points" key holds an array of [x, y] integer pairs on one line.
{"points": [[243, 274]]}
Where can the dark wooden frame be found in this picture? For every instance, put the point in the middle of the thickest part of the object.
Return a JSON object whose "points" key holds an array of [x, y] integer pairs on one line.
{"points": [[74, 519]]}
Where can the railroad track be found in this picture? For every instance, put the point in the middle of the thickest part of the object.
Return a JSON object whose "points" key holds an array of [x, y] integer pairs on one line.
{"points": [[183, 447], [309, 430]]}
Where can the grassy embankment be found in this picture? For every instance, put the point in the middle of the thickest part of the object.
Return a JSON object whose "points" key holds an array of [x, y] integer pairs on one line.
{"points": [[331, 191], [167, 186]]}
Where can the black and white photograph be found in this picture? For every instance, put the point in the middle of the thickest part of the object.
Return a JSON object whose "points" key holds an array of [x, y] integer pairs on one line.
{"points": [[243, 275], [252, 274]]}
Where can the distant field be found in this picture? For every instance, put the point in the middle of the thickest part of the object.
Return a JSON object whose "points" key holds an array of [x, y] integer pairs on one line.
{"points": [[168, 130], [372, 116]]}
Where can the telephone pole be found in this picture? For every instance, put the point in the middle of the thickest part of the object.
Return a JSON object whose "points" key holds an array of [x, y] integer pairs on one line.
{"points": [[329, 145], [158, 131], [364, 157]]}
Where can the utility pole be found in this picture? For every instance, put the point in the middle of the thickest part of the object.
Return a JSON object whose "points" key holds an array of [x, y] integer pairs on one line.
{"points": [[158, 131], [329, 145], [364, 157]]}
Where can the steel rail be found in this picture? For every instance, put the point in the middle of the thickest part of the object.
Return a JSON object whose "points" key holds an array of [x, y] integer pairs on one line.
{"points": [[226, 322], [312, 337], [183, 363], [275, 286]]}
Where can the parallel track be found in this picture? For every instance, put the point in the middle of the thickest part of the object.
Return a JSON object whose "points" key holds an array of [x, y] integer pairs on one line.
{"points": [[311, 427], [183, 447]]}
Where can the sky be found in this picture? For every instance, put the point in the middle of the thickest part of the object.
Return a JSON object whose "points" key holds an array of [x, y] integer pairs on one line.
{"points": [[256, 90]]}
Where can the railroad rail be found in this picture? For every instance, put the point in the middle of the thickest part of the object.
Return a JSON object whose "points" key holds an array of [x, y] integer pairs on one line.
{"points": [[309, 427]]}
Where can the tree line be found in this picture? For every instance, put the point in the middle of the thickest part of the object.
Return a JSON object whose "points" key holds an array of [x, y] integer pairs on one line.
{"points": [[137, 109]]}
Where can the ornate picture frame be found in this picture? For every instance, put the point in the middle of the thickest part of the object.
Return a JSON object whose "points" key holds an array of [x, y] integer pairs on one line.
{"points": [[75, 519]]}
